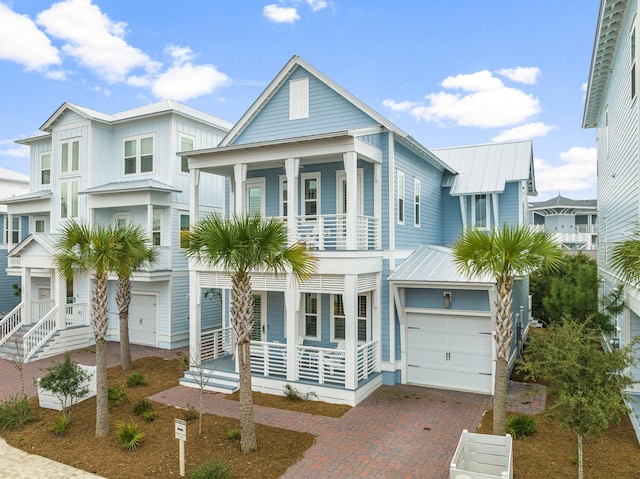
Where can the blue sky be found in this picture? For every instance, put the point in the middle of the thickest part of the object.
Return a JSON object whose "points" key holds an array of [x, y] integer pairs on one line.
{"points": [[450, 73]]}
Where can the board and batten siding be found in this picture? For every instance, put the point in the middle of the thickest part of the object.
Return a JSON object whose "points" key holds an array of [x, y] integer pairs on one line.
{"points": [[462, 300], [407, 235], [36, 149], [508, 205], [328, 111]]}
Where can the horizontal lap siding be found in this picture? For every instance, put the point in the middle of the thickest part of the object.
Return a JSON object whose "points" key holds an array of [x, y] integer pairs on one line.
{"points": [[432, 298], [328, 111], [7, 299], [430, 230], [451, 217], [508, 205]]}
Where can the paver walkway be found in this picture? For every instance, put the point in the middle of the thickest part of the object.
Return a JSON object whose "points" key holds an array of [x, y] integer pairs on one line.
{"points": [[398, 432]]}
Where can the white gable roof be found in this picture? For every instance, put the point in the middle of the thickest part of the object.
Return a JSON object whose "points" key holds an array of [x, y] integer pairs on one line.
{"points": [[487, 168]]}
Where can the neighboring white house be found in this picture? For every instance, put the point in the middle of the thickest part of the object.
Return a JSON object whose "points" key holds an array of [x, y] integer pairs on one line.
{"points": [[12, 184], [102, 168], [612, 109], [574, 223]]}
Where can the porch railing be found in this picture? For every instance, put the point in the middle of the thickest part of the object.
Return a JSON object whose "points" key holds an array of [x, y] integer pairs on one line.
{"points": [[321, 365], [40, 308], [11, 322], [268, 359], [40, 333], [13, 261], [76, 314], [367, 357], [163, 259], [329, 232], [214, 343]]}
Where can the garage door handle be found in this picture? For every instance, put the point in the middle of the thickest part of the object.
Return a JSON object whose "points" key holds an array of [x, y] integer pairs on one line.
{"points": [[485, 374], [484, 333], [413, 327]]}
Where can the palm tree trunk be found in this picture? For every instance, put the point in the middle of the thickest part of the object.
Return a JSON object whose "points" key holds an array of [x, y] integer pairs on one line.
{"points": [[242, 320], [123, 299], [504, 333], [100, 322]]}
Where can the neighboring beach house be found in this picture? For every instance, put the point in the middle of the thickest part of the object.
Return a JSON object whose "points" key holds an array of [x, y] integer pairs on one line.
{"points": [[102, 168], [12, 184], [574, 223], [611, 107], [386, 304]]}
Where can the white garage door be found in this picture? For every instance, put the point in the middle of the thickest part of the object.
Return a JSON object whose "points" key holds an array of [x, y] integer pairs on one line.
{"points": [[143, 319], [450, 352]]}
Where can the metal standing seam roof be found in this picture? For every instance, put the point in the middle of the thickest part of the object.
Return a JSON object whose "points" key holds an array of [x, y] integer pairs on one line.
{"points": [[433, 264], [561, 202], [46, 240], [35, 195], [126, 186], [487, 168]]}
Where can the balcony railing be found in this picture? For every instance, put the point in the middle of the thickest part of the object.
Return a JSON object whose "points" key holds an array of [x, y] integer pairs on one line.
{"points": [[40, 308], [329, 232], [76, 314], [215, 343], [163, 260]]}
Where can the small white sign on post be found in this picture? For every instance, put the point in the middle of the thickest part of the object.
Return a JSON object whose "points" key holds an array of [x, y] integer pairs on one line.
{"points": [[181, 435]]}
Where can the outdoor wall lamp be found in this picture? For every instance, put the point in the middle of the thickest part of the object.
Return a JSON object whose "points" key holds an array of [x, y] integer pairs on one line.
{"points": [[447, 299]]}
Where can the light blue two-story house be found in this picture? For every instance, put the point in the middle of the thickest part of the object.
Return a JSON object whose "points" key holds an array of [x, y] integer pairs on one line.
{"points": [[611, 107], [386, 304], [12, 184], [107, 169]]}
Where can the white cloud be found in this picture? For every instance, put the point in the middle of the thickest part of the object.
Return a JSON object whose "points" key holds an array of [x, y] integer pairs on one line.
{"points": [[528, 75], [279, 14], [179, 54], [12, 149], [479, 81], [185, 81], [22, 42], [399, 106], [577, 171], [317, 4], [94, 40], [524, 132]]}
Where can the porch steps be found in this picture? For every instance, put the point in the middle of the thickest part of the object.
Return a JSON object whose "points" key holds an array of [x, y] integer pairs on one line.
{"points": [[216, 381], [64, 340], [13, 345]]}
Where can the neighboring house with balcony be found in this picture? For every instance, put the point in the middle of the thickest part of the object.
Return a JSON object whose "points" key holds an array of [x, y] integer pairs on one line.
{"points": [[107, 169], [12, 184], [386, 304], [612, 109], [573, 223]]}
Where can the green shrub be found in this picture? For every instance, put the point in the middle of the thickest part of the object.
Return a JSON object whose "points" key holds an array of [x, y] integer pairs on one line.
{"points": [[67, 381], [293, 395], [60, 426], [212, 469], [149, 416], [116, 396], [15, 412], [234, 434], [521, 425], [136, 379], [142, 406], [130, 436]]}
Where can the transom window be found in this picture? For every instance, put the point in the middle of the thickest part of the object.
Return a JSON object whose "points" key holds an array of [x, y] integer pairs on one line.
{"points": [[186, 144], [339, 318], [45, 168], [311, 316], [70, 156], [138, 155]]}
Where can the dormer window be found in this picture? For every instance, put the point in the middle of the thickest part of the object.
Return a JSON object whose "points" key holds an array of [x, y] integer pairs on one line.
{"points": [[299, 99], [138, 155]]}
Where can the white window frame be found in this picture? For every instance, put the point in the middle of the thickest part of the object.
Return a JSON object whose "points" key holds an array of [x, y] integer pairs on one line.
{"points": [[367, 318], [13, 231], [137, 155], [252, 183], [157, 213], [284, 203], [317, 315], [181, 228], [42, 170], [299, 98], [417, 210], [67, 190], [487, 225], [70, 168], [400, 196], [303, 197], [183, 159], [122, 216], [36, 220]]}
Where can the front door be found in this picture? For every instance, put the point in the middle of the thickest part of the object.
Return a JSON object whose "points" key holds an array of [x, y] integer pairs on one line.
{"points": [[259, 331]]}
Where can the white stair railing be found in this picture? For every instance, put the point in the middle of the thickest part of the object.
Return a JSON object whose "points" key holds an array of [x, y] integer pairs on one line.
{"points": [[40, 333], [11, 323]]}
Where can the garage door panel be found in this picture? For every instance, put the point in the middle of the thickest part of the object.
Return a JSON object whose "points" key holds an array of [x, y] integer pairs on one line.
{"points": [[471, 380], [143, 319], [433, 376]]}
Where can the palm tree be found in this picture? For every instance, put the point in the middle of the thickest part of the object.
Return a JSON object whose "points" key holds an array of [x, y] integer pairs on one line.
{"points": [[241, 245], [83, 249], [625, 258], [504, 254], [134, 252]]}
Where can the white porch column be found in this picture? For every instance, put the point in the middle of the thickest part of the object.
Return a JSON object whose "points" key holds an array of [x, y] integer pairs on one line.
{"points": [[351, 170], [292, 167], [26, 295], [377, 203], [350, 301], [59, 296], [239, 178], [195, 328], [194, 197], [292, 302]]}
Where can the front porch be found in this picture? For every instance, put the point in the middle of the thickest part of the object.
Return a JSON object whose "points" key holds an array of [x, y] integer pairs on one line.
{"points": [[322, 371]]}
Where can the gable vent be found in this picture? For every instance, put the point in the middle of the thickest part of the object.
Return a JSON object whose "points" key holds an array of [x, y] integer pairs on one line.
{"points": [[299, 99]]}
